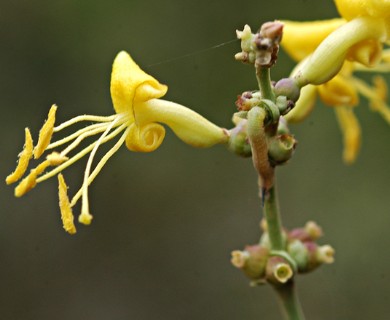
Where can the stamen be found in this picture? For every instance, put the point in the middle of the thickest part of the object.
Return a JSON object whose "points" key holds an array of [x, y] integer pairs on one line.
{"points": [[24, 159], [84, 118], [80, 138], [101, 163], [75, 135], [85, 216], [377, 103], [45, 133], [66, 211], [31, 180], [81, 154], [56, 158]]}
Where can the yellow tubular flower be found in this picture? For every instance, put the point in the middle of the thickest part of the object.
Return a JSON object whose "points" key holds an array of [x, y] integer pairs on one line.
{"points": [[139, 112], [333, 42], [300, 39], [360, 39]]}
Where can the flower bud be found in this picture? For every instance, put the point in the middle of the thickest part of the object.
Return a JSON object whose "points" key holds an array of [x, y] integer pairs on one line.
{"points": [[252, 261], [310, 232], [282, 126], [318, 255], [247, 100], [299, 254], [325, 254], [238, 141], [278, 270], [281, 148], [314, 230], [287, 87]]}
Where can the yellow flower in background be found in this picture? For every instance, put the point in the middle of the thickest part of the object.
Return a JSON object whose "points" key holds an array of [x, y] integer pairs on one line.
{"points": [[139, 112], [378, 9], [329, 52]]}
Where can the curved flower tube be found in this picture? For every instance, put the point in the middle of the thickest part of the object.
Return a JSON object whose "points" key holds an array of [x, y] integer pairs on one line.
{"points": [[360, 39], [328, 72], [139, 112]]}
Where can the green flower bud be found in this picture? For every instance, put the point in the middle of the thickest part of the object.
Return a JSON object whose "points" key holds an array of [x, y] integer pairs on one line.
{"points": [[299, 254], [238, 141], [281, 148], [289, 88], [247, 100], [278, 271], [252, 261]]}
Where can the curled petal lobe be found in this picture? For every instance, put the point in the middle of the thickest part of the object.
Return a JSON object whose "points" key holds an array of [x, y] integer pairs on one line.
{"points": [[130, 84], [367, 52], [24, 159], [145, 138]]}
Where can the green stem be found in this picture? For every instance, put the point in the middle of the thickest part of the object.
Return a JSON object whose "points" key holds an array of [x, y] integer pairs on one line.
{"points": [[289, 301], [287, 294], [264, 80], [272, 215]]}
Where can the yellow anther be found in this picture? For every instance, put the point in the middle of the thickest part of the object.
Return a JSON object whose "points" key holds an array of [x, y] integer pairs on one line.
{"points": [[45, 133], [56, 158], [66, 210], [31, 180], [24, 159]]}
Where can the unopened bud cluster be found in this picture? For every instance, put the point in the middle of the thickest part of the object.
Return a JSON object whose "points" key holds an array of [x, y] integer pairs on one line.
{"points": [[261, 48], [281, 145], [301, 254]]}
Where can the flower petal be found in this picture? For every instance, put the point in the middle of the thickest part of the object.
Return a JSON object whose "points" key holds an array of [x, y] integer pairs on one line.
{"points": [[351, 9], [327, 60], [129, 83], [188, 125], [301, 38], [145, 138], [351, 131], [338, 91]]}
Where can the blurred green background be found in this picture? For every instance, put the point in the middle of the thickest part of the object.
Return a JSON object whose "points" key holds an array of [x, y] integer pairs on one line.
{"points": [[165, 223]]}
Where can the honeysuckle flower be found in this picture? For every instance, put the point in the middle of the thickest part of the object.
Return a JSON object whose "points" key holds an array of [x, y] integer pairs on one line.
{"points": [[138, 114], [329, 52], [360, 39]]}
